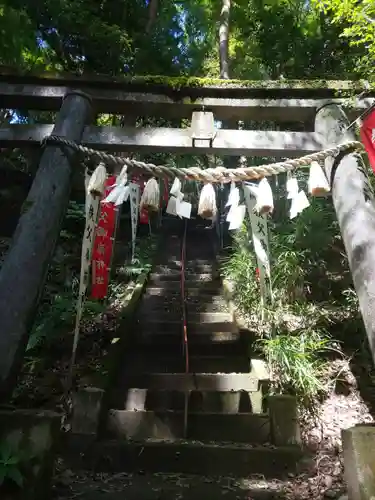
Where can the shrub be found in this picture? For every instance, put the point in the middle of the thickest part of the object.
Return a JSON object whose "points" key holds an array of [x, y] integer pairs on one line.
{"points": [[308, 272]]}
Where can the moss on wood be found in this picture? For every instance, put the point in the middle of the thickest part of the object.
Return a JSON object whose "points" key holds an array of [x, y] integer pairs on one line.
{"points": [[343, 87], [177, 83]]}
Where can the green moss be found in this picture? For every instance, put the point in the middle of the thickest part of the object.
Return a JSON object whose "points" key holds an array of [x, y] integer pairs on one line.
{"points": [[344, 88], [177, 83]]}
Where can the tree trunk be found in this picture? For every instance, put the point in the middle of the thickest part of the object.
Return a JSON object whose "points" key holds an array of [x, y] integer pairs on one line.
{"points": [[24, 270], [152, 13], [224, 40]]}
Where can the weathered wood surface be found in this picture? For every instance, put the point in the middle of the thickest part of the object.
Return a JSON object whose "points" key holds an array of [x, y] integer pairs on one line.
{"points": [[318, 87], [174, 140], [24, 270], [353, 200], [47, 94]]}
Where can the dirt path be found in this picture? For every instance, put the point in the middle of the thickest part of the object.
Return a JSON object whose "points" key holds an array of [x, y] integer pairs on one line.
{"points": [[164, 487]]}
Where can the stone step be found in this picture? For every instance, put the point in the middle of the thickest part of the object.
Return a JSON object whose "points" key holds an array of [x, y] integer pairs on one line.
{"points": [[184, 382], [169, 303], [197, 322], [172, 338], [203, 303], [240, 427], [207, 287], [199, 262], [144, 361], [171, 345], [161, 278], [190, 267], [195, 249], [198, 401], [175, 456], [173, 259], [203, 293]]}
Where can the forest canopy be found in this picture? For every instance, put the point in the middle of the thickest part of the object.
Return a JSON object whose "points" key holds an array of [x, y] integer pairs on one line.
{"points": [[268, 39]]}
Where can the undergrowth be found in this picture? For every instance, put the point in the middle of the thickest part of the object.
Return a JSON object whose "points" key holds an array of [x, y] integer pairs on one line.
{"points": [[58, 309], [312, 296]]}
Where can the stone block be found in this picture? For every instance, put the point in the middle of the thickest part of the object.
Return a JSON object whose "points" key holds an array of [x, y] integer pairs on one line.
{"points": [[256, 401], [31, 436], [87, 404], [359, 461], [283, 414]]}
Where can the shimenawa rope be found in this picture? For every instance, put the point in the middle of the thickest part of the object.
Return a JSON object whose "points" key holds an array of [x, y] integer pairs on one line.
{"points": [[213, 175]]}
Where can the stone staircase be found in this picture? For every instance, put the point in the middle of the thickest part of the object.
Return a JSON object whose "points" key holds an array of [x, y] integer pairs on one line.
{"points": [[212, 420]]}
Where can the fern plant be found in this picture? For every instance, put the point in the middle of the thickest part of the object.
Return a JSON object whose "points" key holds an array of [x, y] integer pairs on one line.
{"points": [[60, 316]]}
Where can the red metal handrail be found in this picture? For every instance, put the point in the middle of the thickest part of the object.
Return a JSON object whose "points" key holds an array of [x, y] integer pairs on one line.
{"points": [[185, 345], [183, 298]]}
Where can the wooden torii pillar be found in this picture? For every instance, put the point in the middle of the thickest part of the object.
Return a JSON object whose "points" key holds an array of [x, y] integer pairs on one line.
{"points": [[24, 271], [353, 200]]}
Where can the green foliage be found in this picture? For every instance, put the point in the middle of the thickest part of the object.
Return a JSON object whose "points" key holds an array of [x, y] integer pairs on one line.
{"points": [[17, 39], [312, 290], [240, 268], [296, 363], [57, 314], [60, 317], [268, 40], [10, 465], [357, 24], [58, 308], [109, 37], [142, 262]]}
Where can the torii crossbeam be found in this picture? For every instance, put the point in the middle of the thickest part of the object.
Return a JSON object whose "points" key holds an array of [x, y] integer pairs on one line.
{"points": [[314, 104]]}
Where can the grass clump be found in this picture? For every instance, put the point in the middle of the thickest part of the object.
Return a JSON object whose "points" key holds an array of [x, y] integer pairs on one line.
{"points": [[311, 290], [296, 362]]}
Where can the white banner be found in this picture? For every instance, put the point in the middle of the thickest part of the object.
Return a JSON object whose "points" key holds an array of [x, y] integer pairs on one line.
{"points": [[91, 211], [134, 210], [261, 245]]}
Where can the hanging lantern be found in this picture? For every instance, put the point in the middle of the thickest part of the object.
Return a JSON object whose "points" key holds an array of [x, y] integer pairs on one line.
{"points": [[202, 128]]}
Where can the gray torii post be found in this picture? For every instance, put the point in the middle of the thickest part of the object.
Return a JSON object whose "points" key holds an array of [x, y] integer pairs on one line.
{"points": [[24, 271], [353, 200]]}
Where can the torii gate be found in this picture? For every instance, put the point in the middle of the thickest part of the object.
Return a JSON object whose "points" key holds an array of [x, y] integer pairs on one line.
{"points": [[316, 104]]}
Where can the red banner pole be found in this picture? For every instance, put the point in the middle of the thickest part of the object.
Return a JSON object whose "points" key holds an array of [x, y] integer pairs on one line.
{"points": [[368, 137], [103, 245]]}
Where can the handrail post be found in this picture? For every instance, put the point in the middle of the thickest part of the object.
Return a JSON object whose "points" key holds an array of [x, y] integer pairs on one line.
{"points": [[353, 200], [185, 337], [24, 271]]}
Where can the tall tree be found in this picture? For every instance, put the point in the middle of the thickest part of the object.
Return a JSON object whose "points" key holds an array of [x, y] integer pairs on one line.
{"points": [[152, 13], [224, 39]]}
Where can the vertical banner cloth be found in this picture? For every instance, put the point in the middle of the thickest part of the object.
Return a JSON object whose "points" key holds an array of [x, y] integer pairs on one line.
{"points": [[103, 244], [134, 209], [368, 137], [143, 216], [261, 246], [91, 210]]}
